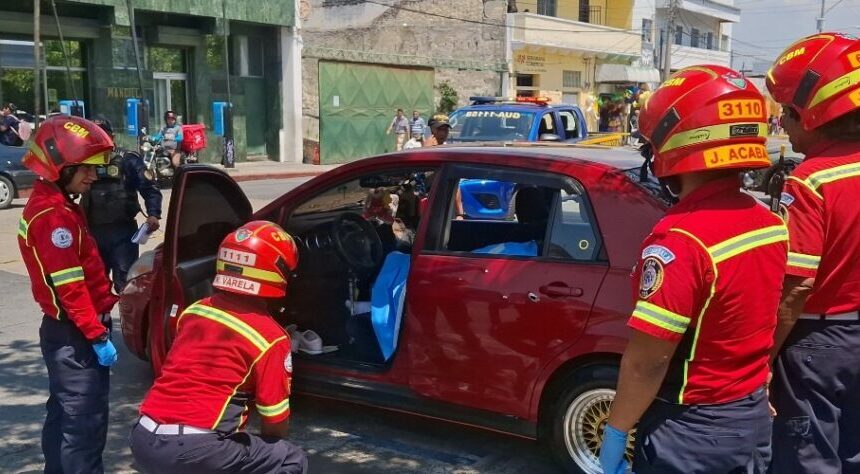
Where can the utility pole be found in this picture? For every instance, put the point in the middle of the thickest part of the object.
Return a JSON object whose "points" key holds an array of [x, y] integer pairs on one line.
{"points": [[37, 57], [667, 43], [819, 22]]}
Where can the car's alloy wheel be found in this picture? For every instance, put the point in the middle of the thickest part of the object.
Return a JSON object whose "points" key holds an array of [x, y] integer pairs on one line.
{"points": [[583, 423], [7, 192]]}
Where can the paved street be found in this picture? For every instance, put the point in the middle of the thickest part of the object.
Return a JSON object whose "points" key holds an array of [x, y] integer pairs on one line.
{"points": [[339, 437]]}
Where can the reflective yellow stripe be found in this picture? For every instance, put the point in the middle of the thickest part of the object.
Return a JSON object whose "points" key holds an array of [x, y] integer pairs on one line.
{"points": [[236, 388], [747, 241], [815, 180], [661, 317], [806, 185], [69, 275], [802, 260], [22, 228], [231, 322], [846, 81], [707, 134], [36, 150], [251, 272], [274, 410], [695, 343], [97, 159]]}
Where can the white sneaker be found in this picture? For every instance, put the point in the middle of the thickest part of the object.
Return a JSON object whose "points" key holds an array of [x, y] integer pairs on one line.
{"points": [[311, 343]]}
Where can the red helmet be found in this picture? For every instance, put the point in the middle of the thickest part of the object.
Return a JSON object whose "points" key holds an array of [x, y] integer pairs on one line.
{"points": [[705, 118], [819, 76], [256, 260], [63, 141]]}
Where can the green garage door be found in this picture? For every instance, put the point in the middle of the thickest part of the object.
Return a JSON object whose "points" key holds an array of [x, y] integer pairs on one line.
{"points": [[357, 103]]}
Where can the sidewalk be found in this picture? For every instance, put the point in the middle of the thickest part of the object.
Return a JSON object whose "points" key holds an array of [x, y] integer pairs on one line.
{"points": [[257, 170]]}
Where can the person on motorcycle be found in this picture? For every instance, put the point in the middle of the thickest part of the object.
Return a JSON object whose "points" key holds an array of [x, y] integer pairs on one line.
{"points": [[111, 206], [170, 137]]}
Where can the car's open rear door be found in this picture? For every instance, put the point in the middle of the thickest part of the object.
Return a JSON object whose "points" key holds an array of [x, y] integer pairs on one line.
{"points": [[205, 205]]}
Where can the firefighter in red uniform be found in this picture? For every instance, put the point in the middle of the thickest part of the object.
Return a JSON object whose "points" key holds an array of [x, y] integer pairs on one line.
{"points": [[816, 386], [229, 355], [707, 288], [69, 284]]}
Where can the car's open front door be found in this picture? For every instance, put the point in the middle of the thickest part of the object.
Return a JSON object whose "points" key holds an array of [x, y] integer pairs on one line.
{"points": [[205, 205]]}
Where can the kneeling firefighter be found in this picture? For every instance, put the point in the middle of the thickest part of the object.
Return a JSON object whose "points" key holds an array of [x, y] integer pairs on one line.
{"points": [[229, 356]]}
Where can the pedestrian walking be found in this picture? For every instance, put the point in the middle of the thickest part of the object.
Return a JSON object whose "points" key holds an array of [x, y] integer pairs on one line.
{"points": [[400, 126], [9, 124], [417, 124], [708, 283], [111, 206], [68, 281], [440, 127], [816, 372], [229, 356]]}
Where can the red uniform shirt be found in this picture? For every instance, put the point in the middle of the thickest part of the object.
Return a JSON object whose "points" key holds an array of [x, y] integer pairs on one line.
{"points": [[66, 272], [822, 202], [710, 277], [224, 358]]}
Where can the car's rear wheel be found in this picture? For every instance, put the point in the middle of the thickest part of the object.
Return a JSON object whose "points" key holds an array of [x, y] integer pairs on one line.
{"points": [[577, 417], [7, 192]]}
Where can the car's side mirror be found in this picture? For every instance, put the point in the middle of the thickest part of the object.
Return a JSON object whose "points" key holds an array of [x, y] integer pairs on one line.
{"points": [[549, 137]]}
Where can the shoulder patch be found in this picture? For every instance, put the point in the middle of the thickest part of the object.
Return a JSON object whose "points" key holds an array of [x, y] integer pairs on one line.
{"points": [[652, 277], [786, 199], [659, 252], [61, 238], [288, 363]]}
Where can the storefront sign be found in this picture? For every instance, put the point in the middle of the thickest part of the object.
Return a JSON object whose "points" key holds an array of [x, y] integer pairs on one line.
{"points": [[529, 62], [122, 92]]}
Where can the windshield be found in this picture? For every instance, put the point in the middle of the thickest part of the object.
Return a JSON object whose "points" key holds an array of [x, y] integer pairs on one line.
{"points": [[490, 125]]}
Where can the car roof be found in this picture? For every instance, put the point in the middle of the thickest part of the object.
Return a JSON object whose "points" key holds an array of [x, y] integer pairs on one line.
{"points": [[617, 158], [516, 106]]}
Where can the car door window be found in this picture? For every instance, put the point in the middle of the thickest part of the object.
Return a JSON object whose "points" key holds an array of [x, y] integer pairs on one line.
{"points": [[568, 123], [574, 235], [547, 124], [208, 213]]}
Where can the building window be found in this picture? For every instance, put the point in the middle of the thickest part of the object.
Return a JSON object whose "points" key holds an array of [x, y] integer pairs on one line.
{"points": [[247, 56], [679, 35], [647, 25], [546, 7], [526, 80], [709, 40], [694, 37], [17, 71], [584, 10], [571, 79], [724, 43]]}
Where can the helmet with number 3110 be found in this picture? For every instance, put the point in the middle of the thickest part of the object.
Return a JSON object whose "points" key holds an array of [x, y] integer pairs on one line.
{"points": [[705, 118], [256, 259], [818, 76]]}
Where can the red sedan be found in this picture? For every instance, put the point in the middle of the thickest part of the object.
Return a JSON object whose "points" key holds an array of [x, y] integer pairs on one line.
{"points": [[513, 323]]}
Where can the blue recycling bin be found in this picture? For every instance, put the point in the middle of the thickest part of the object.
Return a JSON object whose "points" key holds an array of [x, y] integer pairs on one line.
{"points": [[69, 107], [219, 117]]}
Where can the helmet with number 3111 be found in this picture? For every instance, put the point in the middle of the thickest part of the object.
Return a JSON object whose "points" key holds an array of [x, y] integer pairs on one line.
{"points": [[256, 259], [705, 118], [819, 77]]}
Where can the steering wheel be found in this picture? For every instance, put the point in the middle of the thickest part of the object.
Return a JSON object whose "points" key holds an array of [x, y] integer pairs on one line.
{"points": [[357, 242]]}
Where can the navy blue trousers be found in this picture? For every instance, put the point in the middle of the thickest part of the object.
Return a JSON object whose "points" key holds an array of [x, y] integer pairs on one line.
{"points": [[117, 250], [239, 452], [75, 430], [730, 438], [816, 393]]}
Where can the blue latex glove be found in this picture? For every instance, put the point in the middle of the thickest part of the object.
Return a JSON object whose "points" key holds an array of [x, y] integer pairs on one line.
{"points": [[612, 451], [106, 353]]}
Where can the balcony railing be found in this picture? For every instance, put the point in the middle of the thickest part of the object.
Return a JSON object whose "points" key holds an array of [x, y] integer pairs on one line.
{"points": [[529, 29]]}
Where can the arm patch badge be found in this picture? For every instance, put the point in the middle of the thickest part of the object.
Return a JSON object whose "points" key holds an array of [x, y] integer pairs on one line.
{"points": [[652, 277], [659, 252]]}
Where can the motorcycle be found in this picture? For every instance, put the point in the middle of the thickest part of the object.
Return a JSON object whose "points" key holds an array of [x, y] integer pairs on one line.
{"points": [[157, 161]]}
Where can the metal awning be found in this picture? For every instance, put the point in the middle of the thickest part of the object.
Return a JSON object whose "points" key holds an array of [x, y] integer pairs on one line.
{"points": [[626, 73]]}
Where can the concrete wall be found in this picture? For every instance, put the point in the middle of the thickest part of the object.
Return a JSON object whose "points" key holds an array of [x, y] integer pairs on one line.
{"points": [[430, 33]]}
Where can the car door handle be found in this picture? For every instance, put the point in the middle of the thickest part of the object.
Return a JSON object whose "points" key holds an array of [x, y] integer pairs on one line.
{"points": [[560, 290]]}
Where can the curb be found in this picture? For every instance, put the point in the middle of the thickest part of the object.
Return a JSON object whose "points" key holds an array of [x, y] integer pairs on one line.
{"points": [[275, 175]]}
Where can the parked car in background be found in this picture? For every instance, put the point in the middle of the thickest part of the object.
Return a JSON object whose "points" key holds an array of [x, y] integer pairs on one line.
{"points": [[514, 324], [524, 119], [15, 180]]}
